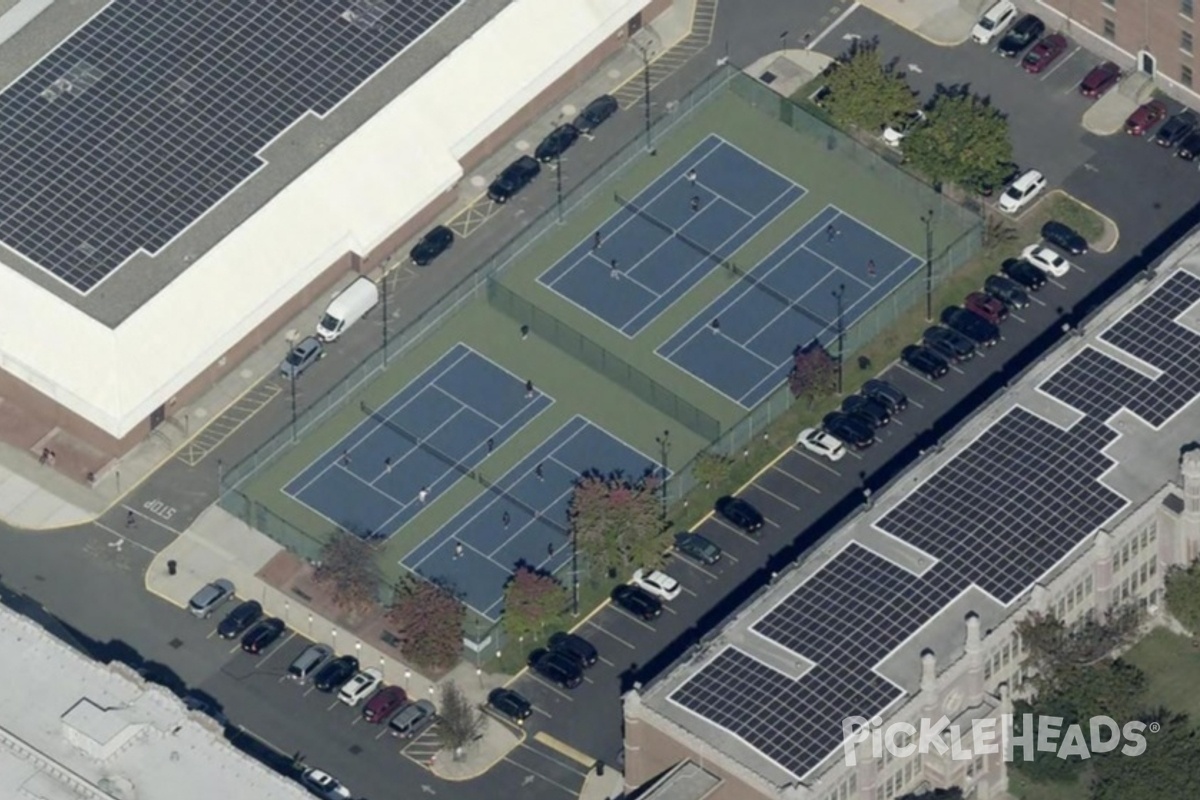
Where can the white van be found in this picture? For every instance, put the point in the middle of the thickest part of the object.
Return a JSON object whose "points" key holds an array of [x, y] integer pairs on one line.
{"points": [[347, 308], [994, 21]]}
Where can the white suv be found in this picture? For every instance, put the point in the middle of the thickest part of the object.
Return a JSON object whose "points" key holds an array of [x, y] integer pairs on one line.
{"points": [[994, 21], [360, 686], [1023, 189]]}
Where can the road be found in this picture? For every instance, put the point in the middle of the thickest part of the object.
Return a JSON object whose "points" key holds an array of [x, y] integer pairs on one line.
{"points": [[90, 578]]}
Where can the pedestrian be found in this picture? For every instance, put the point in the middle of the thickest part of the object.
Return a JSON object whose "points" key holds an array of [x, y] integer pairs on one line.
{"points": [[52, 458], [695, 203], [550, 549], [387, 466], [830, 232], [529, 390], [491, 444], [596, 240], [538, 471], [458, 550], [870, 268], [524, 332], [345, 458], [614, 271], [692, 176], [505, 518], [715, 325], [423, 495], [130, 520], [45, 456]]}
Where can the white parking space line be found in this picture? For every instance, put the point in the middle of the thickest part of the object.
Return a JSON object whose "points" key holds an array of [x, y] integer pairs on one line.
{"points": [[729, 527], [1038, 301], [534, 774], [1016, 317], [122, 537], [1056, 67], [768, 492], [382, 733], [678, 559], [605, 661], [550, 756], [922, 378], [812, 459], [549, 686], [686, 590], [629, 616], [334, 705], [609, 633], [792, 477]]}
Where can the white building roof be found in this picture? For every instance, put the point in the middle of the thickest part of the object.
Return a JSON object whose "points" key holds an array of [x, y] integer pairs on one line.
{"points": [[71, 727], [377, 178]]}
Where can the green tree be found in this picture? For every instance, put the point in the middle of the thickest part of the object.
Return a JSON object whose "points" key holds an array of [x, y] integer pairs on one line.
{"points": [[864, 92], [1039, 765], [1169, 768], [1057, 651], [459, 722], [813, 371], [429, 621], [615, 522], [963, 141], [533, 600], [347, 568], [712, 468], [1183, 596]]}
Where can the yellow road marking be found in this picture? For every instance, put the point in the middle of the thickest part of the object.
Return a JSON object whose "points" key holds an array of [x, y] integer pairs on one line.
{"points": [[561, 747]]}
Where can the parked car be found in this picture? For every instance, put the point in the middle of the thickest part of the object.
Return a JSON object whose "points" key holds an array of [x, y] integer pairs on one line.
{"points": [[360, 686], [855, 431], [335, 674], [307, 352], [1102, 78], [1006, 291], [820, 443], [515, 177], [970, 325], [894, 133], [739, 513], [557, 142], [210, 597], [1064, 237], [557, 668], [237, 621], [697, 547], [1189, 148], [885, 392], [873, 411], [437, 241], [1023, 190], [657, 583], [309, 661], [510, 703], [993, 22], [924, 361], [596, 112], [1023, 273], [1044, 53], [637, 601], [412, 719], [575, 646], [1145, 117], [986, 306], [1046, 260], [324, 785], [1024, 33], [1176, 129], [263, 635], [383, 704], [950, 345]]}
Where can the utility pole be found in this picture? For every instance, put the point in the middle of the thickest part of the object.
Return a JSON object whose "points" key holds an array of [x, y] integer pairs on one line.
{"points": [[927, 218], [574, 570], [558, 184], [292, 381], [841, 290], [383, 287], [646, 52], [664, 449]]}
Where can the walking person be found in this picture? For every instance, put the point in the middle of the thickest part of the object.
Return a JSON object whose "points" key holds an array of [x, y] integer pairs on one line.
{"points": [[715, 325], [830, 232], [538, 471], [692, 177], [550, 549], [695, 203], [491, 444], [345, 458], [130, 520], [597, 238], [505, 518], [614, 271], [458, 550], [529, 390], [387, 466], [870, 268], [423, 495]]}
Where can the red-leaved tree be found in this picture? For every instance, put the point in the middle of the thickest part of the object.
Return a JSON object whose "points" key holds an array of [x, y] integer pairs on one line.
{"points": [[616, 523], [813, 371], [532, 600], [429, 622]]}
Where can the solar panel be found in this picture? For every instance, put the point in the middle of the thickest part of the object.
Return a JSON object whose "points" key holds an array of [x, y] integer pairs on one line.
{"points": [[140, 122]]}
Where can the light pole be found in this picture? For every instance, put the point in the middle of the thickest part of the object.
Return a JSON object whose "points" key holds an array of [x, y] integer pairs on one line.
{"points": [[574, 570], [292, 381], [384, 289], [927, 218], [664, 448], [646, 52], [837, 295], [558, 184]]}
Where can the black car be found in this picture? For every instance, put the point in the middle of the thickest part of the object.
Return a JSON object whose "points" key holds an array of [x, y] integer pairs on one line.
{"points": [[1064, 237], [331, 676], [1007, 291], [1176, 129], [263, 635], [739, 513], [887, 394], [851, 429], [877, 413], [1027, 31], [925, 361], [575, 646], [238, 620], [558, 668], [510, 704], [970, 325], [557, 142], [596, 112], [515, 177], [1189, 148], [637, 601], [949, 344], [432, 245], [1024, 273], [697, 547]]}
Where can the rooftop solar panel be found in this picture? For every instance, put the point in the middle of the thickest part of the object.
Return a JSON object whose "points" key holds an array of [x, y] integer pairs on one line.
{"points": [[148, 115]]}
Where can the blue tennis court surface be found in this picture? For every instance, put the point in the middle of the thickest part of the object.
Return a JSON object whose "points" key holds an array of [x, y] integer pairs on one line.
{"points": [[521, 518], [788, 299], [733, 196], [442, 424]]}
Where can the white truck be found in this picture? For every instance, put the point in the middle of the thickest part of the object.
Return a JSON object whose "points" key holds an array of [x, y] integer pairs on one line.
{"points": [[351, 305]]}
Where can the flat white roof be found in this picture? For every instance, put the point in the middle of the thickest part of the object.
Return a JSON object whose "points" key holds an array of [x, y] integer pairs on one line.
{"points": [[376, 179]]}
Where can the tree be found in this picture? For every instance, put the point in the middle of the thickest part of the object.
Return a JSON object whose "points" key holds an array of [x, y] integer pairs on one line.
{"points": [[864, 92], [964, 141], [616, 522], [712, 468], [347, 567], [1169, 767], [460, 723], [532, 599], [1057, 652], [813, 371], [1183, 596], [430, 621]]}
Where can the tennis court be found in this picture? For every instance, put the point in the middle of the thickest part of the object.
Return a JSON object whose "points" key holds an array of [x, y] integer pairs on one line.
{"points": [[662, 242], [427, 436], [521, 518], [741, 344]]}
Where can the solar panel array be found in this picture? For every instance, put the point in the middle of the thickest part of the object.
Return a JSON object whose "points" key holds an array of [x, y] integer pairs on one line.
{"points": [[999, 515], [149, 114]]}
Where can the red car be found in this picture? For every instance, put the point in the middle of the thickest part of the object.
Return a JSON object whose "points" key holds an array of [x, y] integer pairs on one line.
{"points": [[986, 306], [1100, 80], [1044, 53], [1146, 117], [385, 703]]}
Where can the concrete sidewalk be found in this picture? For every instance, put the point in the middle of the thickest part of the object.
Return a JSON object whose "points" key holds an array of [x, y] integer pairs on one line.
{"points": [[946, 23]]}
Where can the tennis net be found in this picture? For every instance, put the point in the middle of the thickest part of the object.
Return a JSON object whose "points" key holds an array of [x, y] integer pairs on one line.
{"points": [[454, 464], [741, 274], [667, 229]]}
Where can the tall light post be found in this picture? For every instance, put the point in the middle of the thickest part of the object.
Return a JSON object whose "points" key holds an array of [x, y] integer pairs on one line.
{"points": [[645, 53], [558, 184], [841, 338], [292, 381], [664, 449], [927, 218], [574, 570]]}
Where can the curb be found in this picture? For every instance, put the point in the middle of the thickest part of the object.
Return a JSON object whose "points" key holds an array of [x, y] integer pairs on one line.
{"points": [[1109, 225], [432, 763]]}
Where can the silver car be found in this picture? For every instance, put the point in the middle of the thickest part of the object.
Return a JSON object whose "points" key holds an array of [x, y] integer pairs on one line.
{"points": [[210, 597], [306, 353]]}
